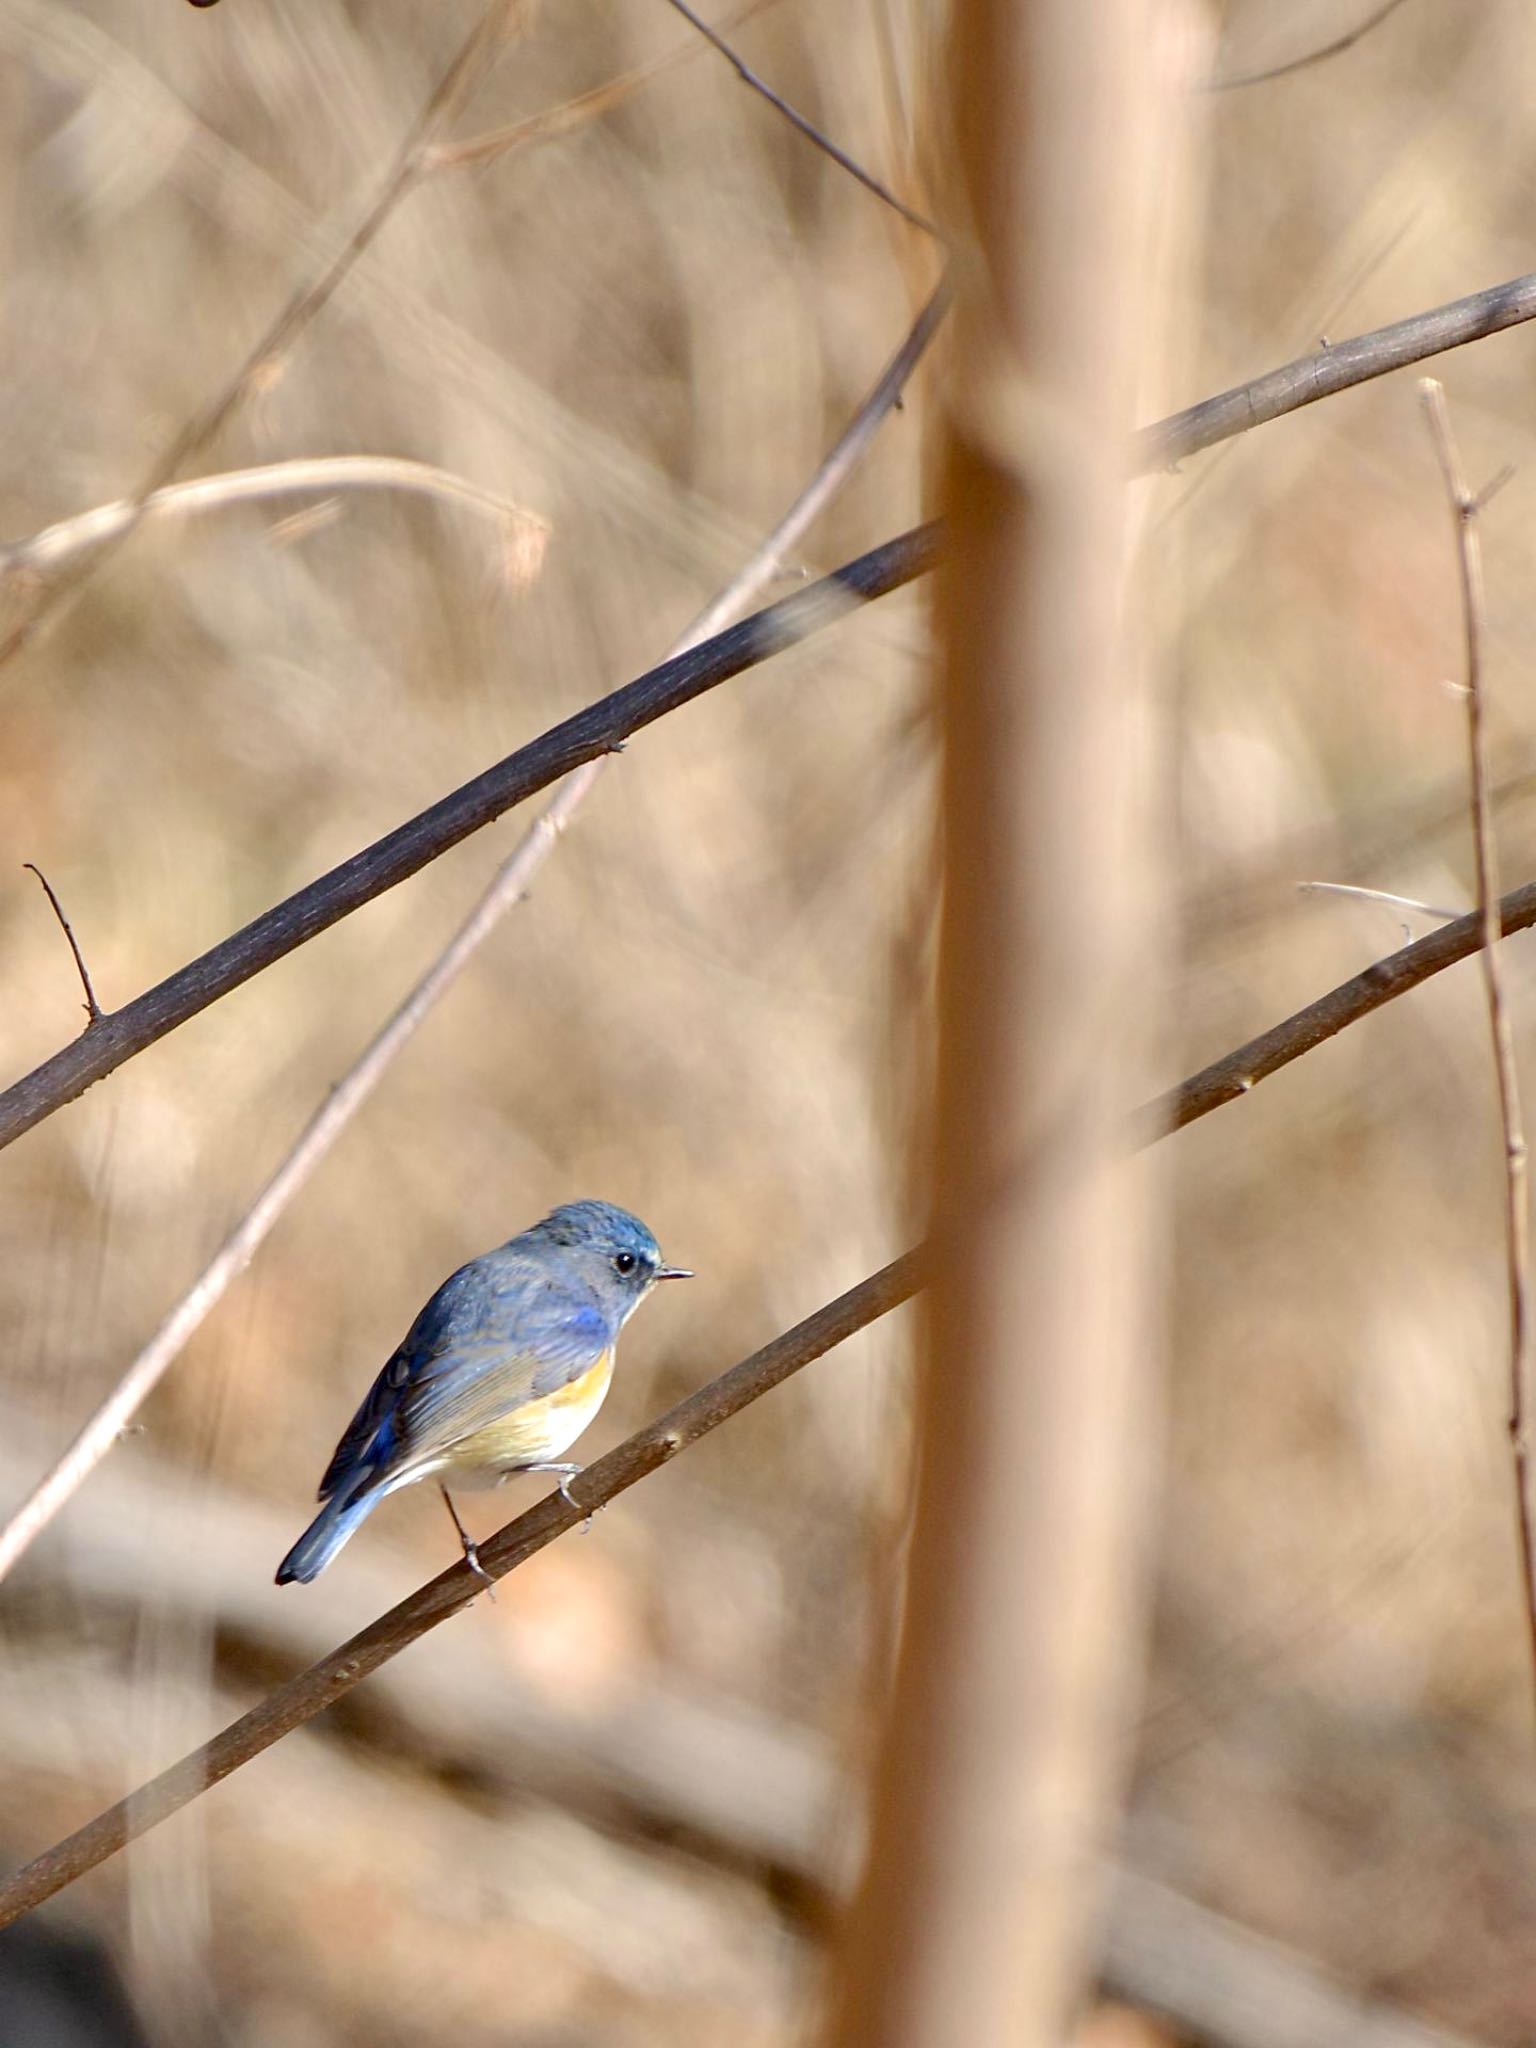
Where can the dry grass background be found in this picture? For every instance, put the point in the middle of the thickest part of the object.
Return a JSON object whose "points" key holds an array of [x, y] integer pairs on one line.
{"points": [[646, 332]]}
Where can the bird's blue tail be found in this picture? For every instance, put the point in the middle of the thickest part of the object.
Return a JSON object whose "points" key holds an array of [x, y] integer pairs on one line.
{"points": [[325, 1535]]}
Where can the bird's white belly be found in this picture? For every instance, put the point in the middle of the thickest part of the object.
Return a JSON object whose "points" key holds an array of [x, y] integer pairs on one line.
{"points": [[531, 1434]]}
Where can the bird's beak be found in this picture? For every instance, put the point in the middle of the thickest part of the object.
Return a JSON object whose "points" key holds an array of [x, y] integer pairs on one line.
{"points": [[673, 1273]]}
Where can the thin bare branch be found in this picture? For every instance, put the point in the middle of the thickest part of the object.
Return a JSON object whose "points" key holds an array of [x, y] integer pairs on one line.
{"points": [[92, 1007], [1374, 842], [1378, 896], [1517, 1198], [586, 736], [798, 120], [1239, 1073], [44, 552], [463, 75], [587, 106], [1336, 48], [508, 885], [1339, 367]]}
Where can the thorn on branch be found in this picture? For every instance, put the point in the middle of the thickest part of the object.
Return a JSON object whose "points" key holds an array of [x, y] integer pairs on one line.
{"points": [[93, 1010]]}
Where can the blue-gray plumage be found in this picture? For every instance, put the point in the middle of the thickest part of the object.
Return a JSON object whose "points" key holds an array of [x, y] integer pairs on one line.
{"points": [[502, 1370]]}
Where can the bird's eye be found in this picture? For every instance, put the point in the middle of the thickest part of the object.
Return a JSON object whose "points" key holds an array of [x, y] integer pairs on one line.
{"points": [[624, 1262]]}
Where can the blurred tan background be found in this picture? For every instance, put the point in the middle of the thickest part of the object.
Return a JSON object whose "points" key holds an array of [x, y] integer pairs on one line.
{"points": [[614, 1806]]}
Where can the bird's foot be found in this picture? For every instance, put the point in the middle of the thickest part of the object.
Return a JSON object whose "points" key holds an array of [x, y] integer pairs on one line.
{"points": [[564, 1474], [471, 1548], [472, 1559]]}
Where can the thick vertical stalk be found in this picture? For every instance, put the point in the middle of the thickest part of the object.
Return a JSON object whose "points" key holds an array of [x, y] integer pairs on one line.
{"points": [[999, 1766]]}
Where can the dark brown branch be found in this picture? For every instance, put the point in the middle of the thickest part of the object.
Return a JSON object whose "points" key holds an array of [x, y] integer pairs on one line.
{"points": [[798, 121], [590, 733], [1336, 48], [92, 1007], [323, 1683], [1517, 1196], [1333, 369], [1238, 1073], [463, 74]]}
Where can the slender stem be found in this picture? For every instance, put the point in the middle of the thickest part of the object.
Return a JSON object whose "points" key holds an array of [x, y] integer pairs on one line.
{"points": [[1517, 1200], [46, 551], [1379, 896], [559, 120], [1239, 1072], [1320, 55], [798, 121], [92, 1007], [1338, 367]]}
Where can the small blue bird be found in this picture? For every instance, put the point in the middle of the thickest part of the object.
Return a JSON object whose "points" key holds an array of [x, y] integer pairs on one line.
{"points": [[502, 1371]]}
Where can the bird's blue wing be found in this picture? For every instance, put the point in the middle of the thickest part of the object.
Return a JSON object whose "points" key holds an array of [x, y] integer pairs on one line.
{"points": [[495, 1334]]}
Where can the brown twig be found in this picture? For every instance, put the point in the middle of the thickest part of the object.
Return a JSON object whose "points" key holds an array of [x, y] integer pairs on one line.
{"points": [[509, 884], [44, 552], [798, 121], [1382, 896], [1305, 62], [301, 1698], [1465, 507], [1257, 888], [1239, 1072], [463, 74], [1339, 367], [92, 1007], [586, 106], [586, 736]]}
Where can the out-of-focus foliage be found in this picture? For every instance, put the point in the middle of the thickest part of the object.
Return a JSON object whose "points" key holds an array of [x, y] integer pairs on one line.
{"points": [[645, 332]]}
